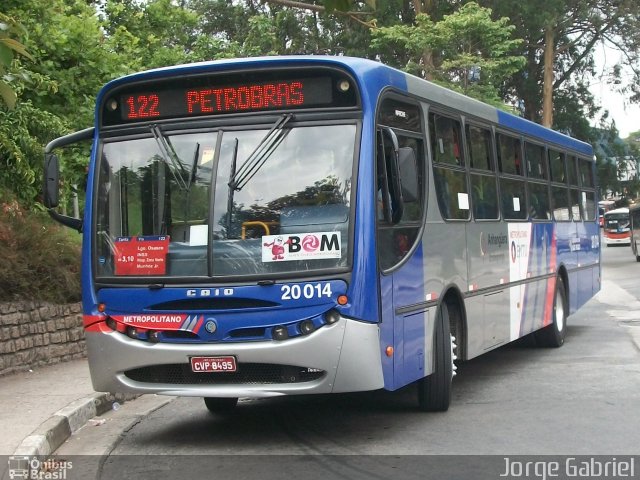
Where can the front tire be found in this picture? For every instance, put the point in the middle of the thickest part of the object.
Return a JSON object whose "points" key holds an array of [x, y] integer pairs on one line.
{"points": [[434, 391], [220, 405], [552, 336]]}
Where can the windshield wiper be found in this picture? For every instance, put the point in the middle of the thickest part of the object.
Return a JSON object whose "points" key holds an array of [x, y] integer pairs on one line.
{"points": [[171, 157], [260, 154], [234, 161], [194, 166]]}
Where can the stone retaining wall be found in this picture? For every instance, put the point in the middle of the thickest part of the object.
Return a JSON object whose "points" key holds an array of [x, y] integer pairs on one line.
{"points": [[34, 334]]}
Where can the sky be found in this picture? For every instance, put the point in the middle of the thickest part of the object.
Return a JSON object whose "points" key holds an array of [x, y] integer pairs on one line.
{"points": [[627, 116]]}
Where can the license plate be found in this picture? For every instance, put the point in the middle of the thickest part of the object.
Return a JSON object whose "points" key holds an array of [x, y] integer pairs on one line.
{"points": [[213, 364]]}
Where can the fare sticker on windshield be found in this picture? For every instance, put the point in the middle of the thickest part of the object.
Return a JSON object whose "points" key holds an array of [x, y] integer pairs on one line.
{"points": [[141, 255], [301, 246]]}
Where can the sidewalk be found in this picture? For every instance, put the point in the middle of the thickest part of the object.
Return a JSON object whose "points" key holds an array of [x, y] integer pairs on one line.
{"points": [[42, 407]]}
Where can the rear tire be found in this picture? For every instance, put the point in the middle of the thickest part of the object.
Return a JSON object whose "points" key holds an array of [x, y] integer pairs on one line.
{"points": [[552, 336], [220, 405], [434, 391]]}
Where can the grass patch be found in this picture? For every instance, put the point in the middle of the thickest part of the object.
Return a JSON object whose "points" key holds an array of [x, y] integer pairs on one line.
{"points": [[39, 259]]}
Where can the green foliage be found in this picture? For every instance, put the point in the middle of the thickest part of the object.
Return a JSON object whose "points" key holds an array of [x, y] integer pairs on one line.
{"points": [[150, 34], [23, 132], [40, 260], [473, 50], [10, 33]]}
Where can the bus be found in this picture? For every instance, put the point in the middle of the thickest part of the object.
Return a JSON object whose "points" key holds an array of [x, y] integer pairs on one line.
{"points": [[615, 229], [634, 217], [313, 224], [603, 207]]}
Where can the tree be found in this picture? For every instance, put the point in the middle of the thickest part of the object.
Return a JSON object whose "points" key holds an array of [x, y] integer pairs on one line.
{"points": [[150, 34], [10, 34], [559, 43], [23, 128], [56, 93], [473, 50]]}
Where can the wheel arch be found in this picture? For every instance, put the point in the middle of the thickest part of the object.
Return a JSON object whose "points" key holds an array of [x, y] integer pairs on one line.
{"points": [[454, 300], [564, 275]]}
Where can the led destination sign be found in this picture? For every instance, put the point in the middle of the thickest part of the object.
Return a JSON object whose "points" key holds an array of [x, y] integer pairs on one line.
{"points": [[224, 98]]}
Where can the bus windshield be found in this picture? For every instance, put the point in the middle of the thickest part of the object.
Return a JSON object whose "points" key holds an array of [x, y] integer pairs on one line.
{"points": [[616, 220], [225, 203]]}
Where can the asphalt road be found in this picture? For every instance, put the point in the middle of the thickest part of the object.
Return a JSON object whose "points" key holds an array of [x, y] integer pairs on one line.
{"points": [[581, 399]]}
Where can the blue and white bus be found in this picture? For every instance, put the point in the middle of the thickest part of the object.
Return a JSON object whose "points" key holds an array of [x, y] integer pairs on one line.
{"points": [[304, 225]]}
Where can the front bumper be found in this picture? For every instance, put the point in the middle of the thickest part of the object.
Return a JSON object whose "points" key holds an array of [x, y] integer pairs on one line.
{"points": [[348, 352]]}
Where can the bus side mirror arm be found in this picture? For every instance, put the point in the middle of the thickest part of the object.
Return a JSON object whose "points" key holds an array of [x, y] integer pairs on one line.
{"points": [[71, 222], [393, 175], [51, 184]]}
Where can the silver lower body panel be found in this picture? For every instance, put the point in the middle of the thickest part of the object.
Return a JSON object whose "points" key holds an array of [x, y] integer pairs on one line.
{"points": [[348, 351]]}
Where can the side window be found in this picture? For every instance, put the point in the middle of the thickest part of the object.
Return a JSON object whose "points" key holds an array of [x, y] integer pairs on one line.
{"points": [[560, 199], [534, 155], [446, 141], [586, 173], [509, 155], [484, 197], [539, 201], [403, 121], [572, 170], [409, 153], [480, 151], [588, 202], [587, 183], [484, 193], [513, 199], [556, 166], [452, 193], [574, 200], [449, 175]]}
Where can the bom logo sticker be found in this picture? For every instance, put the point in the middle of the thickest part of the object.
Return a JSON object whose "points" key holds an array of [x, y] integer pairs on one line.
{"points": [[304, 246]]}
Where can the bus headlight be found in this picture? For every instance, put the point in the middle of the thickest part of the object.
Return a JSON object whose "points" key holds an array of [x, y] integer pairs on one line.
{"points": [[154, 336], [133, 332], [280, 332], [331, 317], [306, 327]]}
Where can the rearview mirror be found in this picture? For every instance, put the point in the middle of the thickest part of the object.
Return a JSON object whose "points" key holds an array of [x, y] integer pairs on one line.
{"points": [[390, 149], [51, 180], [408, 174]]}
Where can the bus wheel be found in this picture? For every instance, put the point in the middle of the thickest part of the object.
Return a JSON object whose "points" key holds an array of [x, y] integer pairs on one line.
{"points": [[220, 405], [434, 391], [553, 335]]}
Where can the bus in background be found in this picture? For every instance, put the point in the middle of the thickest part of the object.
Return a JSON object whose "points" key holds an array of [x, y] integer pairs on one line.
{"points": [[634, 217], [615, 230], [303, 225], [603, 207]]}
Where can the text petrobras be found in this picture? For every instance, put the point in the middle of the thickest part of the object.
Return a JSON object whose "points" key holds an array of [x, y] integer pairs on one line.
{"points": [[569, 467]]}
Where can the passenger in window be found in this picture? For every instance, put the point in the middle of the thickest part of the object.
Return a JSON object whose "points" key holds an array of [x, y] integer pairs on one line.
{"points": [[448, 146], [517, 162], [402, 245]]}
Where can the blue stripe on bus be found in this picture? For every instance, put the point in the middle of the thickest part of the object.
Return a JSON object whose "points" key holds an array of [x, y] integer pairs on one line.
{"points": [[527, 127]]}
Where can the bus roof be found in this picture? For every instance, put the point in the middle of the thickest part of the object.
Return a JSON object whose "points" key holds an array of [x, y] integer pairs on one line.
{"points": [[616, 210], [373, 77]]}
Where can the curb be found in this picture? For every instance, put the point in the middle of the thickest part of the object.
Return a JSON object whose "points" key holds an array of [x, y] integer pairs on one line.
{"points": [[54, 431]]}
